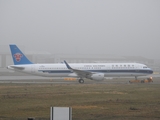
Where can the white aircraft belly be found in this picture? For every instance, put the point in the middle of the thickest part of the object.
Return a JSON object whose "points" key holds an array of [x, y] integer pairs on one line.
{"points": [[53, 74], [123, 74]]}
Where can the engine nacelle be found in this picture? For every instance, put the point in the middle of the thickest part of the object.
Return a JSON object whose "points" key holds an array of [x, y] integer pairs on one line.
{"points": [[97, 76]]}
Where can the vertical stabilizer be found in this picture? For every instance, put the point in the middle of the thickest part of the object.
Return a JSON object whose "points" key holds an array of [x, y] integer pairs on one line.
{"points": [[18, 56]]}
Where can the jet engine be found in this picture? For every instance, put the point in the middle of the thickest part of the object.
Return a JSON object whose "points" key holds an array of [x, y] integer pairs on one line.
{"points": [[97, 76]]}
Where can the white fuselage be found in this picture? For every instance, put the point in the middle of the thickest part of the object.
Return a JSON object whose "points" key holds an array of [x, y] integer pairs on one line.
{"points": [[108, 69]]}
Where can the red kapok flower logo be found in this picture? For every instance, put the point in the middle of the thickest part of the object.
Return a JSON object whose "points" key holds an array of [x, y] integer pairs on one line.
{"points": [[18, 56]]}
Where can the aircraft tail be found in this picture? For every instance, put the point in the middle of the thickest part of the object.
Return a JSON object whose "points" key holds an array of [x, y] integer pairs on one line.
{"points": [[17, 56]]}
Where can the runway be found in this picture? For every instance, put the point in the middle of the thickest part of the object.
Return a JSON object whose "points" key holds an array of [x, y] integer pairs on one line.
{"points": [[33, 79], [46, 80], [50, 80], [7, 76]]}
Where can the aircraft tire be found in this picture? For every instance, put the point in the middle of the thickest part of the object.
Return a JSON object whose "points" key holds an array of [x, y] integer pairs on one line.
{"points": [[81, 81]]}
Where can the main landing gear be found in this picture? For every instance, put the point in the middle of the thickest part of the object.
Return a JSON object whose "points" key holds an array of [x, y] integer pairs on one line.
{"points": [[136, 78], [81, 81]]}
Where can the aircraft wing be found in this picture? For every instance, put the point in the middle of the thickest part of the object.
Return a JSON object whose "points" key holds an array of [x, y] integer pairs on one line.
{"points": [[80, 73]]}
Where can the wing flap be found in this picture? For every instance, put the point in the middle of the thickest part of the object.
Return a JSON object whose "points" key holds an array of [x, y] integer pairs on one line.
{"points": [[80, 73]]}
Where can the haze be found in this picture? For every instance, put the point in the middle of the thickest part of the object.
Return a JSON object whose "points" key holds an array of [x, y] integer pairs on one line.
{"points": [[118, 27]]}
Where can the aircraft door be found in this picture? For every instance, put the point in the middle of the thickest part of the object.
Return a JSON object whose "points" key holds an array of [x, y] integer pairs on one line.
{"points": [[33, 69], [108, 68]]}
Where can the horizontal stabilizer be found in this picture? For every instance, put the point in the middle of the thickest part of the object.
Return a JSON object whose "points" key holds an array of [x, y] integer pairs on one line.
{"points": [[17, 67]]}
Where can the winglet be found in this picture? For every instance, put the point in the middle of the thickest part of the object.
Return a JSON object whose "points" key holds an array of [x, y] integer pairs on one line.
{"points": [[67, 65]]}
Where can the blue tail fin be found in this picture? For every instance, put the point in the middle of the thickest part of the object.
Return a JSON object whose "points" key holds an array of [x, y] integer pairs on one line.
{"points": [[18, 56]]}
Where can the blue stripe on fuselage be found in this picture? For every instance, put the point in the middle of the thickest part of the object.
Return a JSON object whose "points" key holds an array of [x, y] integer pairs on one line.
{"points": [[100, 71]]}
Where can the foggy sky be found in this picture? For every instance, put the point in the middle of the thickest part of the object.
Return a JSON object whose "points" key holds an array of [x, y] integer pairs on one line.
{"points": [[118, 27]]}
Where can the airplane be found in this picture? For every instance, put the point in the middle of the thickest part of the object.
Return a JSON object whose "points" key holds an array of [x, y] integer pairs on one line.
{"points": [[92, 71]]}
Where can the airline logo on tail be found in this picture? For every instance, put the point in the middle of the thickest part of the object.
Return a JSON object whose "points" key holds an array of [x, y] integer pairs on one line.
{"points": [[18, 56]]}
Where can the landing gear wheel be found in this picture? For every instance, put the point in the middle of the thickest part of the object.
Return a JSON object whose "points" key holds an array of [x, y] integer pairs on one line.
{"points": [[136, 78], [81, 81]]}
